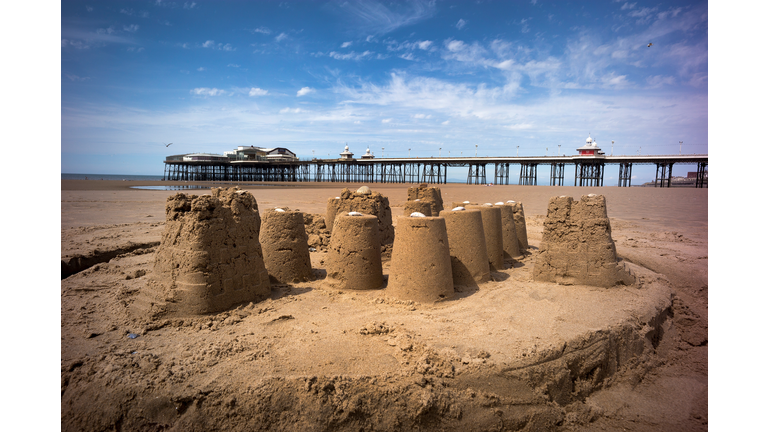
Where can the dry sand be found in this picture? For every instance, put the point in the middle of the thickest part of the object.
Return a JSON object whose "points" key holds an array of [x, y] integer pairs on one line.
{"points": [[511, 355]]}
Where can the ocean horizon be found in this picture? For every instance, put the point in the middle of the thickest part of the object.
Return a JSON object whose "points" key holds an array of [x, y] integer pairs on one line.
{"points": [[69, 176]]}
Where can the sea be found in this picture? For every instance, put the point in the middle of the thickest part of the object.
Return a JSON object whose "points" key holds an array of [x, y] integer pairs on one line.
{"points": [[110, 177]]}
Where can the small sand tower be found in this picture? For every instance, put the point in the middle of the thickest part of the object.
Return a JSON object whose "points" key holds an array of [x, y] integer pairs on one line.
{"points": [[417, 206], [522, 232], [209, 258], [364, 201], [420, 269], [354, 255], [466, 242], [576, 246], [493, 234], [509, 232], [284, 242], [431, 195]]}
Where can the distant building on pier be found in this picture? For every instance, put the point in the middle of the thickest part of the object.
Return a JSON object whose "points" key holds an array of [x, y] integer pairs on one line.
{"points": [[590, 148]]}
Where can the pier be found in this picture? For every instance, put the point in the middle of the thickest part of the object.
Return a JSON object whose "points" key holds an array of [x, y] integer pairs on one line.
{"points": [[589, 170]]}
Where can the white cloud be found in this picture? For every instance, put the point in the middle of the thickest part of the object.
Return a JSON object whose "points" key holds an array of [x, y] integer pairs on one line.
{"points": [[460, 25], [200, 69], [209, 44], [346, 44], [131, 28], [189, 5], [424, 45], [262, 30], [281, 37], [304, 91], [386, 120], [205, 91], [255, 91], [291, 111]]}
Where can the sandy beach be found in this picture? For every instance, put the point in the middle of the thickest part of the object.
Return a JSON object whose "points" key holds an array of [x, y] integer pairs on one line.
{"points": [[513, 354]]}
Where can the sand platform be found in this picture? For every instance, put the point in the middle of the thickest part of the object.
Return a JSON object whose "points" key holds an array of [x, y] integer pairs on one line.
{"points": [[509, 354]]}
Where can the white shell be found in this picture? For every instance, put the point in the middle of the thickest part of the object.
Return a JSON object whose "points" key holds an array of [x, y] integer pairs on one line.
{"points": [[417, 199], [511, 202], [591, 195], [499, 203], [417, 214], [355, 214], [458, 209], [466, 202], [279, 210]]}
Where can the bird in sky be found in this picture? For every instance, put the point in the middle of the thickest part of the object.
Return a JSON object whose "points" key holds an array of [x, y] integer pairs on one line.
{"points": [[649, 45], [167, 144]]}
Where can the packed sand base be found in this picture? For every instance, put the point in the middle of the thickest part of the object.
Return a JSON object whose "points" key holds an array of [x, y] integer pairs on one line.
{"points": [[509, 354]]}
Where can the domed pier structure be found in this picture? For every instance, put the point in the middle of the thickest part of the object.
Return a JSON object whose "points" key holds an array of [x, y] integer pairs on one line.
{"points": [[576, 246], [209, 258], [285, 245], [354, 254], [466, 241], [420, 269]]}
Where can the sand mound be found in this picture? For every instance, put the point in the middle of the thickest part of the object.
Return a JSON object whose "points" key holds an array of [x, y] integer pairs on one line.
{"points": [[209, 258], [576, 247]]}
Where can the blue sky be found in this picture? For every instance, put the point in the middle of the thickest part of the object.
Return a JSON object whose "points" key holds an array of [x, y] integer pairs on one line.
{"points": [[436, 77]]}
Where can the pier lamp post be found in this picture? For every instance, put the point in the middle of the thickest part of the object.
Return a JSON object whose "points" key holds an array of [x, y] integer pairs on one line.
{"points": [[681, 147], [409, 152], [382, 152], [475, 150], [518, 151], [558, 149], [611, 147], [440, 152]]}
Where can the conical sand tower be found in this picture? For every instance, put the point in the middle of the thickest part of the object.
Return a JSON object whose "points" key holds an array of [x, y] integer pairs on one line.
{"points": [[576, 246], [522, 232], [466, 241], [354, 255], [509, 232], [493, 234], [284, 242], [420, 269]]}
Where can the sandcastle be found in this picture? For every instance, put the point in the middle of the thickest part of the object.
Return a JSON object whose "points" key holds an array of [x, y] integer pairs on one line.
{"points": [[492, 230], [209, 258], [425, 194], [367, 202], [509, 232], [576, 246], [420, 269], [466, 242], [284, 243], [354, 255]]}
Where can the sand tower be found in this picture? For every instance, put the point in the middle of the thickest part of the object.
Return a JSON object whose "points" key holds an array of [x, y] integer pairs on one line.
{"points": [[364, 201], [466, 242], [209, 258], [509, 231], [420, 269], [576, 246], [522, 232], [354, 255], [418, 206], [493, 234], [431, 195], [284, 243]]}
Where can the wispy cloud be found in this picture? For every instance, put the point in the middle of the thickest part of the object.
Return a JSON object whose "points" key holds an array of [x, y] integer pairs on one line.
{"points": [[352, 55], [218, 46], [205, 91], [374, 17], [255, 91], [262, 30], [281, 37], [460, 24]]}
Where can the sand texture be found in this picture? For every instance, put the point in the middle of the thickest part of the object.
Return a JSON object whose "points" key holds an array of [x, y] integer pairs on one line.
{"points": [[510, 353]]}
